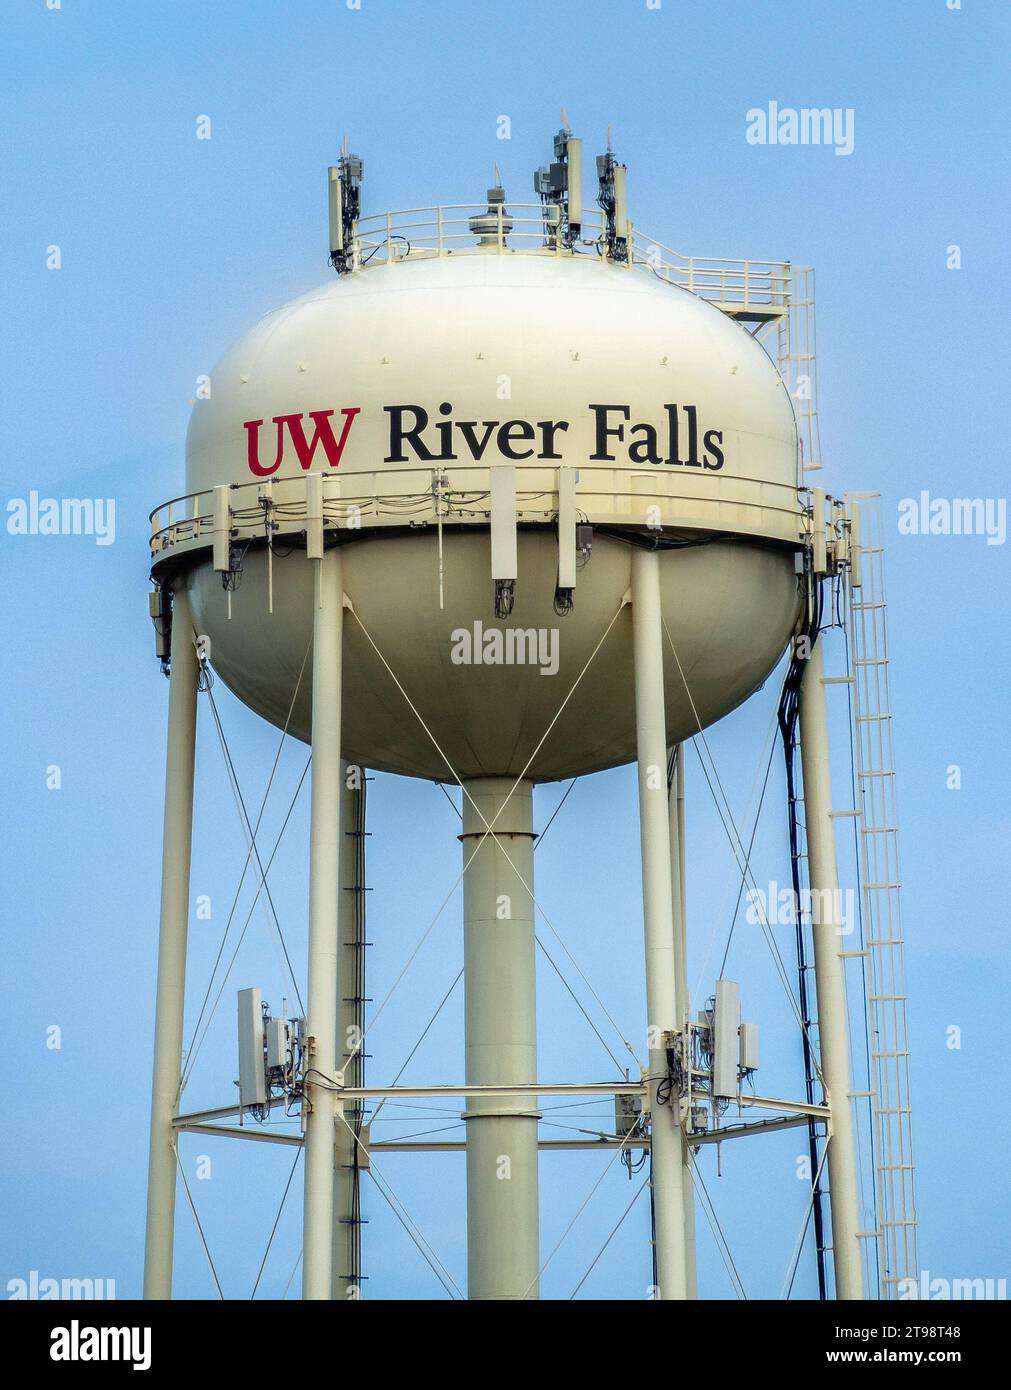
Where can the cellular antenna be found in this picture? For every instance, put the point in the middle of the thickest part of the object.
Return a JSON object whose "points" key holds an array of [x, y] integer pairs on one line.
{"points": [[344, 183], [559, 186], [612, 199]]}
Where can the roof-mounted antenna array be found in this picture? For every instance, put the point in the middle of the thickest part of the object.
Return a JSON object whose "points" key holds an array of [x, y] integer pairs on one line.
{"points": [[559, 187], [344, 182], [613, 202]]}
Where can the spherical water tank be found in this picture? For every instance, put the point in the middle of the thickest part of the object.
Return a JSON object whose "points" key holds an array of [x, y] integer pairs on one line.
{"points": [[398, 380]]}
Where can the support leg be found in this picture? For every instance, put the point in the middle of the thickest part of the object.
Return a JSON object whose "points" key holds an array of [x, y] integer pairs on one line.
{"points": [[830, 980], [324, 888], [676, 809], [661, 1000], [175, 892]]}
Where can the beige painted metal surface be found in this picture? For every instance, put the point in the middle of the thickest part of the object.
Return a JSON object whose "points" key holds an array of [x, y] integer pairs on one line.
{"points": [[730, 609], [478, 361], [502, 338]]}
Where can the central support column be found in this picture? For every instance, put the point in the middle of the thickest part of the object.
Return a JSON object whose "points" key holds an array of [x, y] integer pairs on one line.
{"points": [[324, 889], [175, 893], [657, 904], [501, 1039], [826, 925]]}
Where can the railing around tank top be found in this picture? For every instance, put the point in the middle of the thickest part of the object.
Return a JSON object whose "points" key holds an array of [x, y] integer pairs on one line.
{"points": [[743, 288]]}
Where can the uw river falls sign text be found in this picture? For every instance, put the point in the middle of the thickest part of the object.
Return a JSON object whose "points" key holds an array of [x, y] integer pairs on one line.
{"points": [[679, 438]]}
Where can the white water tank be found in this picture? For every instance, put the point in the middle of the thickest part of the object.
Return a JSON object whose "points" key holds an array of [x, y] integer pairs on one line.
{"points": [[676, 421]]}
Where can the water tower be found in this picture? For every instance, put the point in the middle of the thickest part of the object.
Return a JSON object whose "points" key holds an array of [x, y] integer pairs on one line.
{"points": [[516, 496]]}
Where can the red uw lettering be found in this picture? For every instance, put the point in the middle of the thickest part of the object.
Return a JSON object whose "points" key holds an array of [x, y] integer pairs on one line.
{"points": [[305, 449]]}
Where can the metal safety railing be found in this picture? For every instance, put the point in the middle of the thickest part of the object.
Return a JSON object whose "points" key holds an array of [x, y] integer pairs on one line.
{"points": [[753, 289], [757, 293], [460, 494]]}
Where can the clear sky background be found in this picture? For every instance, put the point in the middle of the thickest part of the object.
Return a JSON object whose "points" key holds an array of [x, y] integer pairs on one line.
{"points": [[171, 247]]}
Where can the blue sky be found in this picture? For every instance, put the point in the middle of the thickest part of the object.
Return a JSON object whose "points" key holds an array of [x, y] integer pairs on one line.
{"points": [[171, 247]]}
